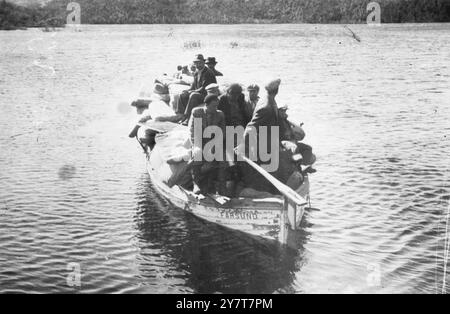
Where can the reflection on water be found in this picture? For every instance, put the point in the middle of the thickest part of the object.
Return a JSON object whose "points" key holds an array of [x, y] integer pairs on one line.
{"points": [[207, 258], [73, 186]]}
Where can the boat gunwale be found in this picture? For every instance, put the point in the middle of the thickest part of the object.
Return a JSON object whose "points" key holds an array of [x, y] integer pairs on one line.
{"points": [[275, 201]]}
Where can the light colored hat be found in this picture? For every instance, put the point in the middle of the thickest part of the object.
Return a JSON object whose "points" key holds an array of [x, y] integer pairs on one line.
{"points": [[273, 85], [160, 89], [160, 97], [211, 87]]}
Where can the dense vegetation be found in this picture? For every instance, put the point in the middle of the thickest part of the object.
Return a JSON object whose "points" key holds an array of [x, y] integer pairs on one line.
{"points": [[223, 11], [16, 17]]}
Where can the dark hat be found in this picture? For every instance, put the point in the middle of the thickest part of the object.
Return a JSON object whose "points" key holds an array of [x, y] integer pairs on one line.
{"points": [[253, 87], [199, 58], [141, 103], [210, 98], [212, 86], [211, 60], [234, 89], [273, 85]]}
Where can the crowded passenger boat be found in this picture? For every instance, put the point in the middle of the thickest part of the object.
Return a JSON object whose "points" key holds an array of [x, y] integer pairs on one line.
{"points": [[228, 154]]}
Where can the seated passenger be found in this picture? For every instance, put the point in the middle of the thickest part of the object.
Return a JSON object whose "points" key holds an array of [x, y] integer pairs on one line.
{"points": [[265, 117], [185, 71], [195, 96], [211, 63], [205, 174], [294, 134], [178, 75], [233, 105], [253, 98], [158, 110], [213, 89]]}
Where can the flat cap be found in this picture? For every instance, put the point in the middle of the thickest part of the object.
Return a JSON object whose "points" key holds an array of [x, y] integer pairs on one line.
{"points": [[253, 87], [273, 85]]}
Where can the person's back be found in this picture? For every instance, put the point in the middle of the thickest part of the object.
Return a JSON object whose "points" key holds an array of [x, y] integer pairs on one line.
{"points": [[233, 105], [266, 115], [253, 99], [158, 110], [205, 180]]}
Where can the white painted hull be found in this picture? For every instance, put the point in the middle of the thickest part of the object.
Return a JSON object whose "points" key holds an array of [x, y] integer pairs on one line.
{"points": [[263, 218]]}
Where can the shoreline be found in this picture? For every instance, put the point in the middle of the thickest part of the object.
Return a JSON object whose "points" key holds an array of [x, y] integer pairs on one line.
{"points": [[57, 28]]}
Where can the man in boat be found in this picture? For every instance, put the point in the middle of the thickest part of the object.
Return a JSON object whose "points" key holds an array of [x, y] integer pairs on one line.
{"points": [[213, 89], [211, 64], [141, 105], [205, 174], [292, 136], [266, 115], [192, 69], [253, 98], [266, 112], [158, 110], [194, 96], [177, 75], [233, 106]]}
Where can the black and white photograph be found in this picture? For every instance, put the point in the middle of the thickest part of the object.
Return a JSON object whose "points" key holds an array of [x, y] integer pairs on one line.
{"points": [[240, 148]]}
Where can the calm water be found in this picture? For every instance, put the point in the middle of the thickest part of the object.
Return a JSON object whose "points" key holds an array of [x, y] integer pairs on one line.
{"points": [[74, 189]]}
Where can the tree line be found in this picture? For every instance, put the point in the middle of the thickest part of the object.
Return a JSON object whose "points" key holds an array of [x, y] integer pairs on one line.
{"points": [[54, 12]]}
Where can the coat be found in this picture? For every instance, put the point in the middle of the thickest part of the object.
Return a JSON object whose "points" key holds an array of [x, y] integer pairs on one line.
{"points": [[240, 118], [217, 119], [266, 115], [202, 79]]}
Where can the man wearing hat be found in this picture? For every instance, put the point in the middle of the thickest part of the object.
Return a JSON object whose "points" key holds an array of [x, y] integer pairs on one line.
{"points": [[233, 105], [205, 174], [266, 115], [292, 136], [266, 112], [157, 109], [213, 89], [253, 98], [211, 63], [194, 96]]}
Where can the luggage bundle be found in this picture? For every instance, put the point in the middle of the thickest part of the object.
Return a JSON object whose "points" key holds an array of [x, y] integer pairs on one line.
{"points": [[171, 155]]}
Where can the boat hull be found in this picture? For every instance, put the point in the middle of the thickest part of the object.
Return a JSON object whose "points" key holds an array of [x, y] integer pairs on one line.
{"points": [[268, 218]]}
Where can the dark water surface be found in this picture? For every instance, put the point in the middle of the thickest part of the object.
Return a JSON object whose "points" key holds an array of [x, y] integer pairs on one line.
{"points": [[73, 187]]}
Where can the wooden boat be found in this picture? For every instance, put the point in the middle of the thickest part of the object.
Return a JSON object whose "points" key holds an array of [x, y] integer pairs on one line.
{"points": [[265, 218]]}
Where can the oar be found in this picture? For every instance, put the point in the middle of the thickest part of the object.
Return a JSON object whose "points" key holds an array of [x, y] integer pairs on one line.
{"points": [[293, 203], [286, 191]]}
